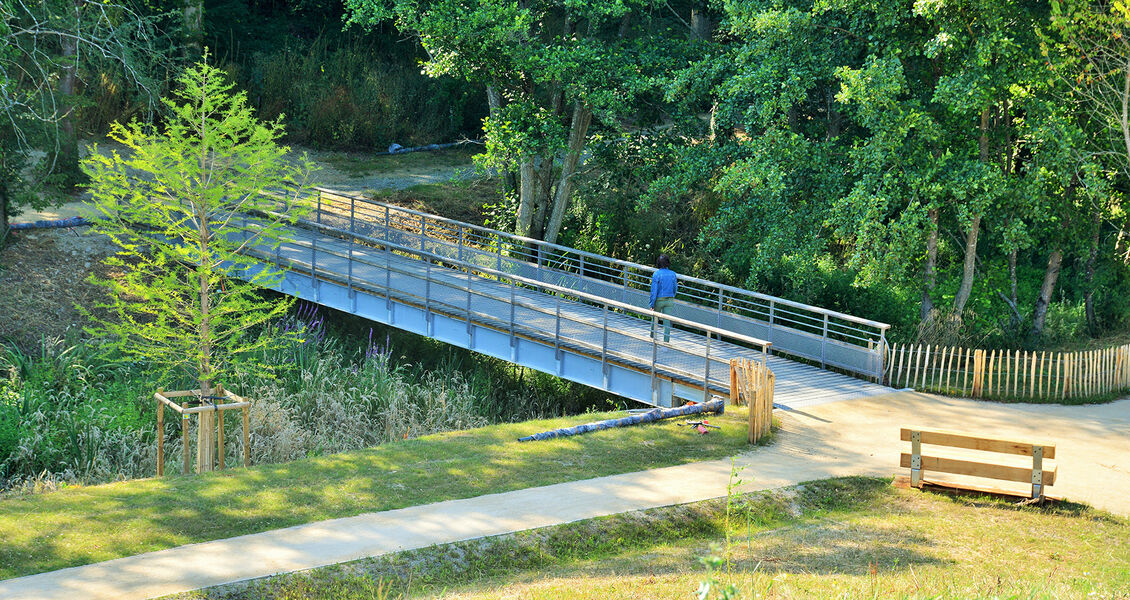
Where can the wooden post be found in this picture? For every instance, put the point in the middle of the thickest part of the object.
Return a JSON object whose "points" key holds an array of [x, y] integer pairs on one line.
{"points": [[916, 458], [922, 375], [992, 363], [1037, 471], [1021, 364], [185, 468], [246, 436], [735, 397], [902, 356], [976, 390], [160, 436], [1040, 376], [220, 437], [1062, 375], [966, 367]]}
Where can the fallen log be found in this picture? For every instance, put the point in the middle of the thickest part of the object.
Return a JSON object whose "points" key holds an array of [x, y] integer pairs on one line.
{"points": [[716, 405]]}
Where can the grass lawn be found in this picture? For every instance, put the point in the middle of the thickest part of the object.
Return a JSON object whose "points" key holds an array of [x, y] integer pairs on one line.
{"points": [[460, 200], [360, 164], [850, 538], [78, 526]]}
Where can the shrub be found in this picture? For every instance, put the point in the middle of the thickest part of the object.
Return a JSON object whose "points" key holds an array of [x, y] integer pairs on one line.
{"points": [[354, 97]]}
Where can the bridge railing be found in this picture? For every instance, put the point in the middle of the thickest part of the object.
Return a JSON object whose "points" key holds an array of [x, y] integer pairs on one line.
{"points": [[827, 337], [470, 291]]}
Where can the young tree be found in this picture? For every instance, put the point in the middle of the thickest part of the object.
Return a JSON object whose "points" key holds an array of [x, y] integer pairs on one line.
{"points": [[184, 207]]}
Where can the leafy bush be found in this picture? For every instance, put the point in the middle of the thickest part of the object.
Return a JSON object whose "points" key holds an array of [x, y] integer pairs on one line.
{"points": [[73, 414], [1066, 323], [354, 97]]}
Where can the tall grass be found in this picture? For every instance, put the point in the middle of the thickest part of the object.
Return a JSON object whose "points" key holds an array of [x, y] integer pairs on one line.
{"points": [[71, 415], [353, 96]]}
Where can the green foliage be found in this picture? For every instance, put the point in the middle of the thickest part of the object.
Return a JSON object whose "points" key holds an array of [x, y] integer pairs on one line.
{"points": [[183, 206], [353, 95], [550, 69], [103, 522]]}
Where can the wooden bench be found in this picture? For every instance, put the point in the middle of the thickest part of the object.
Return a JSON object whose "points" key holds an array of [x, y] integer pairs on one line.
{"points": [[1038, 475]]}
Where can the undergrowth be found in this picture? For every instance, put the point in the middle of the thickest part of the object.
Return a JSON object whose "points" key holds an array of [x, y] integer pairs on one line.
{"points": [[70, 414]]}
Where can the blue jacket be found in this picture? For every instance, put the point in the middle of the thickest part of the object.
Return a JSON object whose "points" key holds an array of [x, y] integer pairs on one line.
{"points": [[664, 284]]}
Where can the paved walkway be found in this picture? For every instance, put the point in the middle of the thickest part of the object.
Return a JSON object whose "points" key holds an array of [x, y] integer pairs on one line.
{"points": [[857, 437]]}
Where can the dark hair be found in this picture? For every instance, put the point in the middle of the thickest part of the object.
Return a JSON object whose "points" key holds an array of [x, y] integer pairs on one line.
{"points": [[663, 262]]}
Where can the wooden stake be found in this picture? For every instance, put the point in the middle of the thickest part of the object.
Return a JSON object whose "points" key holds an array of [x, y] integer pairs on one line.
{"points": [[949, 367], [1069, 374], [1040, 376], [246, 436], [735, 396], [160, 437], [1018, 385], [965, 378], [992, 361], [220, 440], [184, 438]]}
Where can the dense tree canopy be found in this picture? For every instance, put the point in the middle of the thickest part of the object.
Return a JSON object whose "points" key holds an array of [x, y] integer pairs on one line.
{"points": [[957, 167]]}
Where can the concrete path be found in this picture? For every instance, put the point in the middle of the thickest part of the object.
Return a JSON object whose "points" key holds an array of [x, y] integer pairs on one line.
{"points": [[857, 437]]}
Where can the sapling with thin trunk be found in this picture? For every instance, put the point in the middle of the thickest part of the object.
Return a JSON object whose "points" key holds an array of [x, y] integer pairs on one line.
{"points": [[193, 208]]}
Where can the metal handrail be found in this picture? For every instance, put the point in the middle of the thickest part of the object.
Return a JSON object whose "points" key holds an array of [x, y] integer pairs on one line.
{"points": [[682, 278], [828, 337], [825, 336], [390, 248], [556, 289]]}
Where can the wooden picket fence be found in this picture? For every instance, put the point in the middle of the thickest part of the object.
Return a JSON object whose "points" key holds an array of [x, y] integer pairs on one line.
{"points": [[979, 373], [752, 383]]}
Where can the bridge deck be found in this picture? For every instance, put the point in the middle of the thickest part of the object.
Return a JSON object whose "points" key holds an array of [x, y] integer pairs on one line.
{"points": [[572, 325]]}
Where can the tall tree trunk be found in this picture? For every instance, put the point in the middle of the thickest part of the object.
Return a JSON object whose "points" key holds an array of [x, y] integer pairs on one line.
{"points": [[929, 273], [578, 131], [526, 185], [1013, 299], [193, 12], [544, 178], [3, 215], [1051, 274], [67, 156], [701, 26], [969, 269], [1089, 271], [1013, 294], [205, 441], [494, 105]]}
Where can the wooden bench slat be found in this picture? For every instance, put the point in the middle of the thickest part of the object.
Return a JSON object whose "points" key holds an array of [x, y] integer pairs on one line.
{"points": [[938, 437], [954, 466]]}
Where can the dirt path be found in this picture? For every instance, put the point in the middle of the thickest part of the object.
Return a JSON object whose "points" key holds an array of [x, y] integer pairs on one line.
{"points": [[856, 437]]}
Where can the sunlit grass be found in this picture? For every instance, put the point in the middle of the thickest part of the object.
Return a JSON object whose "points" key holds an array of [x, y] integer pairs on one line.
{"points": [[853, 538], [88, 524], [360, 164]]}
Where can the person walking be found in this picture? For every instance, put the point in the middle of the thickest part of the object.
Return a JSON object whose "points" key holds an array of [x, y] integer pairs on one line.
{"points": [[664, 284]]}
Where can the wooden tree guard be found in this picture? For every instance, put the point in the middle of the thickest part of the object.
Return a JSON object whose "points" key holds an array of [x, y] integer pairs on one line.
{"points": [[221, 400], [751, 381]]}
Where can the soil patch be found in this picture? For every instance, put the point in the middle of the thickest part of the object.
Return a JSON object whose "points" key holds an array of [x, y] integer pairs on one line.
{"points": [[43, 276]]}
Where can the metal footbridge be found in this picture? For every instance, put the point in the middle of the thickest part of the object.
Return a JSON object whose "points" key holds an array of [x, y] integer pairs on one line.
{"points": [[573, 314]]}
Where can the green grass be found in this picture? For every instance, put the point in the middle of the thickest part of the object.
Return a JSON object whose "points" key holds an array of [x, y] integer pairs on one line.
{"points": [[840, 538], [360, 164], [459, 200], [82, 525]]}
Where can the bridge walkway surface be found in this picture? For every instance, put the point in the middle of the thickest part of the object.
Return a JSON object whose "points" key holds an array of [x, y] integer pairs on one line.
{"points": [[576, 315]]}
